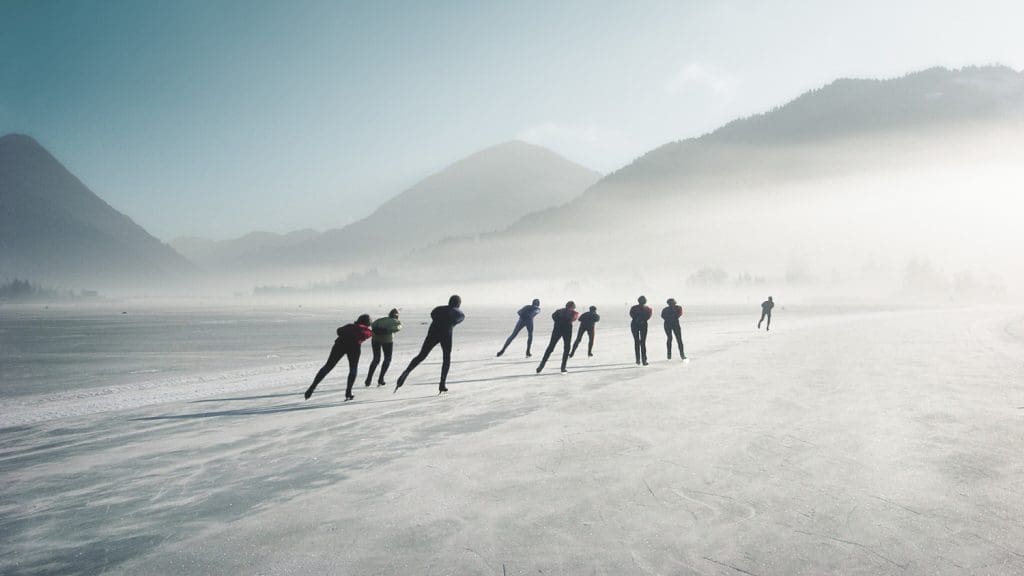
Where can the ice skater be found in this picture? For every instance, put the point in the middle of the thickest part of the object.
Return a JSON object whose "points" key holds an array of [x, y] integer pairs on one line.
{"points": [[383, 341], [587, 321], [671, 315], [766, 312], [563, 318], [443, 320], [526, 315], [349, 341], [639, 315]]}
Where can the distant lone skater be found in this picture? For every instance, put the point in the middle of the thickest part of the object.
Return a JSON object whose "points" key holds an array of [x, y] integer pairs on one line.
{"points": [[526, 315], [383, 341], [640, 314], [671, 315], [563, 317], [587, 321], [766, 312], [443, 320], [349, 341]]}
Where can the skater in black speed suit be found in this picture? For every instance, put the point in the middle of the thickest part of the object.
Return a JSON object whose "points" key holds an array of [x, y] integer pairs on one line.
{"points": [[349, 341], [563, 330], [671, 315], [587, 321], [640, 314], [526, 314], [766, 312], [443, 320]]}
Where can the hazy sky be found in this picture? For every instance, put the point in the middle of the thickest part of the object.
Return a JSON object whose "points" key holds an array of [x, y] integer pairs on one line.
{"points": [[217, 118]]}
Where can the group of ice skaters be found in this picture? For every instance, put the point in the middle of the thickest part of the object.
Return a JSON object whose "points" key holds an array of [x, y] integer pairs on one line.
{"points": [[443, 320]]}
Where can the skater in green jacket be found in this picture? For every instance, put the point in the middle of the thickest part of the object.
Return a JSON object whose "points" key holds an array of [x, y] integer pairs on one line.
{"points": [[383, 340]]}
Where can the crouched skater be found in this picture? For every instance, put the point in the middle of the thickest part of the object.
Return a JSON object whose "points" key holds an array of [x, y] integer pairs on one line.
{"points": [[526, 315], [639, 314], [349, 342], [563, 318], [587, 321], [383, 341], [671, 315], [443, 321]]}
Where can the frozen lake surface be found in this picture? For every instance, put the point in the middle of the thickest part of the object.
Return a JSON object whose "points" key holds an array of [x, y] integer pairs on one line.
{"points": [[884, 441]]}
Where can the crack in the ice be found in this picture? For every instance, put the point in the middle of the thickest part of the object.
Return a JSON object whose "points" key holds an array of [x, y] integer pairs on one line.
{"points": [[716, 495], [656, 499], [897, 504], [480, 556], [998, 545], [857, 544], [850, 514], [729, 566]]}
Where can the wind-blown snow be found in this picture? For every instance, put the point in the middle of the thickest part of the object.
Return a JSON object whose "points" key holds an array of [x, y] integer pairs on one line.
{"points": [[858, 442]]}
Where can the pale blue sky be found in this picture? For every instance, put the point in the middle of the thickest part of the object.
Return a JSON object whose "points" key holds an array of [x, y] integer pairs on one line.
{"points": [[216, 118]]}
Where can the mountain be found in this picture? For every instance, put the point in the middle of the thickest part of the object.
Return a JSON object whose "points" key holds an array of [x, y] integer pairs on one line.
{"points": [[927, 164], [214, 255], [54, 230], [484, 192]]}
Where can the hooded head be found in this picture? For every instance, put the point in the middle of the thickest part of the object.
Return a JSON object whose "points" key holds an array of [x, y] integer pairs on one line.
{"points": [[455, 301], [593, 308], [770, 299], [671, 301], [393, 313], [363, 319], [570, 305], [642, 300], [536, 301]]}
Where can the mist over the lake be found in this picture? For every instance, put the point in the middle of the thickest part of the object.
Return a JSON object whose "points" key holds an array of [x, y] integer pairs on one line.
{"points": [[586, 287]]}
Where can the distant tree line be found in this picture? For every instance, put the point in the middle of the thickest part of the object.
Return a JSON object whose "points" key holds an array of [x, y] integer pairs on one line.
{"points": [[353, 280], [19, 289], [710, 277]]}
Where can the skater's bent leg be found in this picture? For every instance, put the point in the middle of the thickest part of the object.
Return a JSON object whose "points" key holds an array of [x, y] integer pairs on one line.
{"points": [[548, 351], [332, 361], [579, 336], [446, 358], [529, 337], [515, 332], [590, 342], [387, 348], [373, 363], [353, 369], [566, 336], [428, 345], [551, 346]]}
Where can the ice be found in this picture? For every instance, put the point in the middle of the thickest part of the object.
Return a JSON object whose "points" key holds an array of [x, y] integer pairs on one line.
{"points": [[872, 441]]}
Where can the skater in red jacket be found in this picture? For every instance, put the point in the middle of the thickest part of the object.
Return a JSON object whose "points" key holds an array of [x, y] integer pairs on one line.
{"points": [[349, 342]]}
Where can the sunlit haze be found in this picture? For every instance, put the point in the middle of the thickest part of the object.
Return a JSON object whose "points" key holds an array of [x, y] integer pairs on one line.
{"points": [[218, 119]]}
